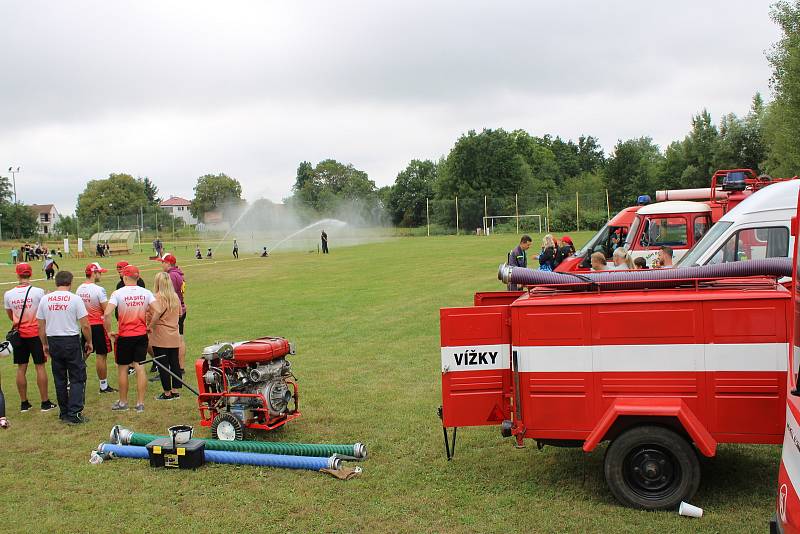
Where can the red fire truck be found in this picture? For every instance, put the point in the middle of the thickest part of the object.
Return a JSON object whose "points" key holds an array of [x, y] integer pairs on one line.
{"points": [[787, 514], [662, 374], [679, 220]]}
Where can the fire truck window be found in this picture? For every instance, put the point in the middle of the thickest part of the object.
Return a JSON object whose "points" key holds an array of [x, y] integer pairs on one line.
{"points": [[671, 231], [701, 226], [754, 244]]}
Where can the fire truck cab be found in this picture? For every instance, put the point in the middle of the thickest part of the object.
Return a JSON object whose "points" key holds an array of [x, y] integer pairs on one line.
{"points": [[661, 375], [614, 231], [678, 224]]}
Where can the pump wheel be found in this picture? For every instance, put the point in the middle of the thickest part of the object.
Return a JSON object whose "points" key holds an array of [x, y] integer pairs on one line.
{"points": [[651, 468], [227, 427]]}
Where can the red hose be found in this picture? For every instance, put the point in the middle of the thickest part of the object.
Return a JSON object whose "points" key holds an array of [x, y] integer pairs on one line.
{"points": [[646, 278]]}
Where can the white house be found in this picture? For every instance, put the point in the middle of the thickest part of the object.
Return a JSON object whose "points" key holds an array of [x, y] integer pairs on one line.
{"points": [[47, 216], [179, 208]]}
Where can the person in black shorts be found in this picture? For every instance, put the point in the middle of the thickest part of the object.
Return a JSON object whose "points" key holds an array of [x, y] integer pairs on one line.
{"points": [[133, 303], [21, 304], [121, 265]]}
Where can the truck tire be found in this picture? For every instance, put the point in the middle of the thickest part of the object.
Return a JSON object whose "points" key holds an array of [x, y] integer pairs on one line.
{"points": [[651, 468]]}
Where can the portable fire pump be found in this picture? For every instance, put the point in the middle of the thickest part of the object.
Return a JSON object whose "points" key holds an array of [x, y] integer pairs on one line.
{"points": [[246, 385], [663, 365]]}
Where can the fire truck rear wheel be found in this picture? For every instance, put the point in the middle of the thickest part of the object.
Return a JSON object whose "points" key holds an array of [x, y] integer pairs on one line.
{"points": [[226, 426], [651, 468]]}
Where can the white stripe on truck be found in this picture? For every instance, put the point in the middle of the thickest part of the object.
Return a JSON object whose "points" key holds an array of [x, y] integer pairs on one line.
{"points": [[654, 358], [476, 358]]}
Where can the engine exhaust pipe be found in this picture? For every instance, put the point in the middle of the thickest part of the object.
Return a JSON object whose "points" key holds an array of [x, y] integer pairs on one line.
{"points": [[645, 278]]}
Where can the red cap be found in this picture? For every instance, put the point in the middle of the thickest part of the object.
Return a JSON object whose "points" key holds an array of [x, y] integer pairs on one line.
{"points": [[122, 264], [567, 239], [131, 271], [169, 258], [94, 268], [23, 269]]}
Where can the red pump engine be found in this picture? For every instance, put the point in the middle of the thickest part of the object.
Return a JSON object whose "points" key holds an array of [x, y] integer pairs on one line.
{"points": [[248, 384]]}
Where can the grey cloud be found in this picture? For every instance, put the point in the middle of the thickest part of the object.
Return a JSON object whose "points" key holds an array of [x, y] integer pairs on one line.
{"points": [[175, 89]]}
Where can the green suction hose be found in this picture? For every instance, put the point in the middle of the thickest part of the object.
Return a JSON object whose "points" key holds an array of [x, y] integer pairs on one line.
{"points": [[358, 451]]}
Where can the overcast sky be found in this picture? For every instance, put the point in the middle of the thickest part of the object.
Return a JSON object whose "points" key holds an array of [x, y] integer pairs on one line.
{"points": [[173, 90]]}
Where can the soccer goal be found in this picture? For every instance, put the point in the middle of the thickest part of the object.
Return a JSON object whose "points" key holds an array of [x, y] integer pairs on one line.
{"points": [[488, 221]]}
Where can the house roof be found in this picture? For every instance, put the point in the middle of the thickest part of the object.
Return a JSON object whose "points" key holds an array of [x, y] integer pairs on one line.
{"points": [[43, 208], [175, 201]]}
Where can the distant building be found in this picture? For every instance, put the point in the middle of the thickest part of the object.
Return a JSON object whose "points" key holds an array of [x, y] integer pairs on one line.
{"points": [[179, 208], [47, 216]]}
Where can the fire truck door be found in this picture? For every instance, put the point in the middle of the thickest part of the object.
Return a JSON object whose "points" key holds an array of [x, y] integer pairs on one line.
{"points": [[788, 498], [476, 365]]}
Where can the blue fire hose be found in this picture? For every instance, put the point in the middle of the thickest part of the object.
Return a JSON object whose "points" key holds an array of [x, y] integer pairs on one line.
{"points": [[239, 458]]}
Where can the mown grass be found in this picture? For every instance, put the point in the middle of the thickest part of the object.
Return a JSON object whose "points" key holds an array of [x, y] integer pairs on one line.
{"points": [[365, 321]]}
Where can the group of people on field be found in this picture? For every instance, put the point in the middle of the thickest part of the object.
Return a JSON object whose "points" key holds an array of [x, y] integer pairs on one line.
{"points": [[621, 260], [66, 327], [554, 251]]}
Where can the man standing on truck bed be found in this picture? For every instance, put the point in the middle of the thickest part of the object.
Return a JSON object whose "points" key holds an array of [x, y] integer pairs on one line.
{"points": [[519, 258]]}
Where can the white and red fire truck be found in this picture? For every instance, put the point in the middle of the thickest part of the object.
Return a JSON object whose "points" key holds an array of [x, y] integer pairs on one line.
{"points": [[787, 514], [680, 219], [662, 374]]}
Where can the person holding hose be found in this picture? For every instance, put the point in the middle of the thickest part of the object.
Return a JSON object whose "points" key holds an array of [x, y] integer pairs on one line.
{"points": [[162, 328]]}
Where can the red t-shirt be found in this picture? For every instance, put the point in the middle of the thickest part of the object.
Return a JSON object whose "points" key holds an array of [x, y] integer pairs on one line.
{"points": [[132, 303]]}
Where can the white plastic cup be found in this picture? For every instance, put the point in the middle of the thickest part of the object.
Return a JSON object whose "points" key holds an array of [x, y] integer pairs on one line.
{"points": [[689, 510]]}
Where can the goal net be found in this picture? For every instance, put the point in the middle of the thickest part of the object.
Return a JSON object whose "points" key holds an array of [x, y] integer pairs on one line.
{"points": [[488, 221]]}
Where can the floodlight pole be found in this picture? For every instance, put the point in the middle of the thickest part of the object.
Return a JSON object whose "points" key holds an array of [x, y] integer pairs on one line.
{"points": [[577, 212], [14, 172], [516, 208], [608, 206]]}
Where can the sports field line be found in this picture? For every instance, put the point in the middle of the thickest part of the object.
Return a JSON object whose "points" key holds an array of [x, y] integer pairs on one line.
{"points": [[182, 266]]}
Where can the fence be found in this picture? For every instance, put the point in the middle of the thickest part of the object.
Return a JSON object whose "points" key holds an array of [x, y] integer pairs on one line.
{"points": [[557, 212]]}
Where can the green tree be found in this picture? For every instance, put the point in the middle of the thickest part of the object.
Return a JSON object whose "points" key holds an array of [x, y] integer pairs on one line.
{"points": [[18, 220], [741, 141], [119, 194], [324, 188], [782, 121], [213, 192], [66, 225], [590, 154], [632, 170], [700, 148], [6, 190], [151, 190], [412, 187]]}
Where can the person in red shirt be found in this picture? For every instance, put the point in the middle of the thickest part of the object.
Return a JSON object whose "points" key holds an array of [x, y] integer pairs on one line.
{"points": [[21, 304], [95, 299], [132, 302]]}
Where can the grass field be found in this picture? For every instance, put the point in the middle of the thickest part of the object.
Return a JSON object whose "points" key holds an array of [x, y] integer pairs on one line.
{"points": [[365, 321]]}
